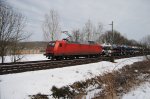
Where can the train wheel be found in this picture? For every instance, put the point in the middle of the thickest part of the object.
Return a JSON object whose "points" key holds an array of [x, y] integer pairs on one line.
{"points": [[58, 58]]}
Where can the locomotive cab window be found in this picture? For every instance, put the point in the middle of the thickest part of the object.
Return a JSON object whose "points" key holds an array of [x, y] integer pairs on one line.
{"points": [[60, 45], [51, 44]]}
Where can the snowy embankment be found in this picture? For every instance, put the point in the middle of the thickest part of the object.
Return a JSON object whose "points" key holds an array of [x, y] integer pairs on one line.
{"points": [[140, 92], [19, 86]]}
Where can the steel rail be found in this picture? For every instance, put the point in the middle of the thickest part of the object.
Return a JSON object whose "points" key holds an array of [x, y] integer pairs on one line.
{"points": [[9, 68]]}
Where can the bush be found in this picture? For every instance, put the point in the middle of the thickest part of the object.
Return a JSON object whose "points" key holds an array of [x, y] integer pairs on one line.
{"points": [[39, 96], [63, 92]]}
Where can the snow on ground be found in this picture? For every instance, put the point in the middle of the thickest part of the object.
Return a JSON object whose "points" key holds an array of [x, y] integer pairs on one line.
{"points": [[27, 57], [141, 92], [20, 85]]}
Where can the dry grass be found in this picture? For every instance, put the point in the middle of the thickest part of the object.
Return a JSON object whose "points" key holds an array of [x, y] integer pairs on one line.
{"points": [[121, 81]]}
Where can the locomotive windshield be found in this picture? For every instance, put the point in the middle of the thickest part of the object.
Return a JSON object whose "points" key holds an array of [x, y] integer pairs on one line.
{"points": [[51, 44]]}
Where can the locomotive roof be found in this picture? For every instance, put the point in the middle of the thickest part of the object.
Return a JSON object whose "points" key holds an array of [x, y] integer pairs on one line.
{"points": [[84, 42]]}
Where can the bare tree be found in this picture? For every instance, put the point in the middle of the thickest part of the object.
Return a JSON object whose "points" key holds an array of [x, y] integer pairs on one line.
{"points": [[51, 26], [98, 32], [145, 42], [92, 32], [76, 35], [19, 36], [117, 38], [7, 23], [11, 30], [88, 30]]}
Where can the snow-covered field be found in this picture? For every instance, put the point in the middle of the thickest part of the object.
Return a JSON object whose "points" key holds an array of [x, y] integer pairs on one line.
{"points": [[19, 86], [27, 57]]}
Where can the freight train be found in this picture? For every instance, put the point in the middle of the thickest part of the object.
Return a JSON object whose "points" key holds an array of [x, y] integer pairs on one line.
{"points": [[65, 49], [124, 50]]}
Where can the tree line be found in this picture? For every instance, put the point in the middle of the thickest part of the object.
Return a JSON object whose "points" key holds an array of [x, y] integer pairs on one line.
{"points": [[89, 32], [12, 32]]}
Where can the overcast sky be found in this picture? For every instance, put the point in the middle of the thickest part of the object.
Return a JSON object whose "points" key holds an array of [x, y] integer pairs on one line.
{"points": [[131, 17]]}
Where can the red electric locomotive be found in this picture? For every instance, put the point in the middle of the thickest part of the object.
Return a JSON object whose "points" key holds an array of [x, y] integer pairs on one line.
{"points": [[66, 49]]}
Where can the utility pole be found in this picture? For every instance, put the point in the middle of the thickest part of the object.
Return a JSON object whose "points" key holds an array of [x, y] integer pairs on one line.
{"points": [[0, 28], [112, 56], [112, 32]]}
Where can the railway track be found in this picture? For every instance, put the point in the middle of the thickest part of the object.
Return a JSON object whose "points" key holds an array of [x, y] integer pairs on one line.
{"points": [[9, 68], [41, 65]]}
